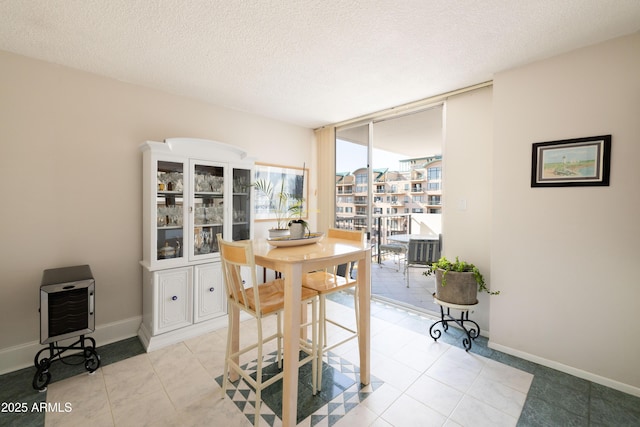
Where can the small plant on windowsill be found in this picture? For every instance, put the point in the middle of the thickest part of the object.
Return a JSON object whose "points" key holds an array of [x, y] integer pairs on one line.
{"points": [[298, 226], [458, 282]]}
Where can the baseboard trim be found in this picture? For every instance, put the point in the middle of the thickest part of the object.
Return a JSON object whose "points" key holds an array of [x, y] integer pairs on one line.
{"points": [[153, 343], [616, 385], [22, 355]]}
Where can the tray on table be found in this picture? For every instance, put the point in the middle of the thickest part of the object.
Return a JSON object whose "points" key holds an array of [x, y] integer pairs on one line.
{"points": [[308, 239]]}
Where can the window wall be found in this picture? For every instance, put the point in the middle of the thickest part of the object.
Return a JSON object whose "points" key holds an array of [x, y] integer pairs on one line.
{"points": [[388, 166]]}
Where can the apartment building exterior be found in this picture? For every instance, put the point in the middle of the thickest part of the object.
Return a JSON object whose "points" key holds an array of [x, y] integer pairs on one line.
{"points": [[416, 187]]}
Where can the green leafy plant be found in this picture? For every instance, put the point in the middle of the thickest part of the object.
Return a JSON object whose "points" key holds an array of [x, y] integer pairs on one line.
{"points": [[461, 267]]}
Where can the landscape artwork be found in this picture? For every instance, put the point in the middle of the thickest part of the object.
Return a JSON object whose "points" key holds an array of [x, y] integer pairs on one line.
{"points": [[574, 162]]}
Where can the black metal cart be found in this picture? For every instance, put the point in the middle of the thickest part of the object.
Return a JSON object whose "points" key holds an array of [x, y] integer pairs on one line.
{"points": [[67, 311]]}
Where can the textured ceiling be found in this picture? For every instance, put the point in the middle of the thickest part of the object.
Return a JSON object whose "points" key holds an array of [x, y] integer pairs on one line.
{"points": [[307, 62]]}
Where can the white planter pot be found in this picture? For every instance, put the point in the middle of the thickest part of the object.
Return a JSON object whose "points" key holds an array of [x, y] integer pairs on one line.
{"points": [[296, 230]]}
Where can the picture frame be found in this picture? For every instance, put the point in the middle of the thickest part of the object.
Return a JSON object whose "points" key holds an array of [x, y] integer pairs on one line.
{"points": [[571, 162], [290, 179]]}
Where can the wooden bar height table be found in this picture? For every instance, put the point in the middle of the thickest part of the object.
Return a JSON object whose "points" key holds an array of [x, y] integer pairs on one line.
{"points": [[293, 262]]}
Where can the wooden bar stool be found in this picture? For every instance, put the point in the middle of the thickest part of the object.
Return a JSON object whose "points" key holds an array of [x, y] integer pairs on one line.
{"points": [[326, 282], [259, 300]]}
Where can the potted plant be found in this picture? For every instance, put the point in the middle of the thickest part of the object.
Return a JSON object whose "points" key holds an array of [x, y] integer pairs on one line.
{"points": [[458, 282], [298, 226], [279, 202]]}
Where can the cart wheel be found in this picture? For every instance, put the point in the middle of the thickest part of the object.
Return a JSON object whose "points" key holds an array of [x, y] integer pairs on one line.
{"points": [[92, 360], [42, 377]]}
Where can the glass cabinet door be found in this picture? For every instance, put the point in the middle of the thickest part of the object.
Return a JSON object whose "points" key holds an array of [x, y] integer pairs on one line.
{"points": [[208, 208], [169, 210], [241, 204]]}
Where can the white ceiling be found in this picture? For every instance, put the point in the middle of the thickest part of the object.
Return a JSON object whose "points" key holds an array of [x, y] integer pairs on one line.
{"points": [[307, 62]]}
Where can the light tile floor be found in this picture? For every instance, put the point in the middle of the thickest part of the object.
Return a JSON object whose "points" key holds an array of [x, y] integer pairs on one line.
{"points": [[425, 383], [421, 383]]}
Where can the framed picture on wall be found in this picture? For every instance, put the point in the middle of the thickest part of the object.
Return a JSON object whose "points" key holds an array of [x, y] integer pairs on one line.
{"points": [[285, 186], [571, 162]]}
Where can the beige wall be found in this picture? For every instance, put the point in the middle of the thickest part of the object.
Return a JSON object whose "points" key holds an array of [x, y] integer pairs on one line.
{"points": [[467, 174], [70, 172], [566, 259]]}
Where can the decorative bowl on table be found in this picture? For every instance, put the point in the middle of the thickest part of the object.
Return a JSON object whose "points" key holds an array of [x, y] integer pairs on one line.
{"points": [[308, 239]]}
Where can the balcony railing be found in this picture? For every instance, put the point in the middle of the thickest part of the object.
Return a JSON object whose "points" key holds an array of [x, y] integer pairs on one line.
{"points": [[385, 226]]}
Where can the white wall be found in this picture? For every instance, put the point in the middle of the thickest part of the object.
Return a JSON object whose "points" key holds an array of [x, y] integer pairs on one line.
{"points": [[566, 259], [71, 177], [467, 172], [426, 223]]}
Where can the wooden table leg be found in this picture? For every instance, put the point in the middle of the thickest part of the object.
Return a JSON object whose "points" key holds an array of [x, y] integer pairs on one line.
{"points": [[364, 306], [291, 330], [235, 338]]}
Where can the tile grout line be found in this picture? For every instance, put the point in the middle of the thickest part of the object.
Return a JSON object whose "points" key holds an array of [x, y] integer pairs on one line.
{"points": [[106, 392]]}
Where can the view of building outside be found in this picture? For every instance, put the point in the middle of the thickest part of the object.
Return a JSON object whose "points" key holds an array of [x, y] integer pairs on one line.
{"points": [[401, 187]]}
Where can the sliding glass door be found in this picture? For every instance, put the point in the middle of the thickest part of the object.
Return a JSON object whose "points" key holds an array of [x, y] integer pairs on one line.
{"points": [[352, 178], [388, 183]]}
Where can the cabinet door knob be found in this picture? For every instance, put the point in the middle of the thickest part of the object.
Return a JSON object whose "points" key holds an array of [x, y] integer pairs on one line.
{"points": [[211, 289], [174, 298]]}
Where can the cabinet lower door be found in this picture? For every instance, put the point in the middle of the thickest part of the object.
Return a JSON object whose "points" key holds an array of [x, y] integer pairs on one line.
{"points": [[210, 293], [175, 299]]}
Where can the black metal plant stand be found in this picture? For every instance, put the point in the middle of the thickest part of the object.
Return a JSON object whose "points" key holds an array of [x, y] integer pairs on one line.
{"points": [[471, 333], [91, 360]]}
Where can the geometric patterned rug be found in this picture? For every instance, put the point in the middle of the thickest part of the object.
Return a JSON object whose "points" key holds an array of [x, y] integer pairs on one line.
{"points": [[341, 392]]}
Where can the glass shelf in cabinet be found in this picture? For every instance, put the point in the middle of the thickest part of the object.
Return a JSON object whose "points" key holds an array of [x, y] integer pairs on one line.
{"points": [[216, 194]]}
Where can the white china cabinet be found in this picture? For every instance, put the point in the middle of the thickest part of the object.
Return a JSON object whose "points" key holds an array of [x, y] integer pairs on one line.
{"points": [[192, 190]]}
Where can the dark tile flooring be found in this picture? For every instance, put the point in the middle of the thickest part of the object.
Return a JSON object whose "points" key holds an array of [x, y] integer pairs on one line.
{"points": [[554, 398], [341, 391]]}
